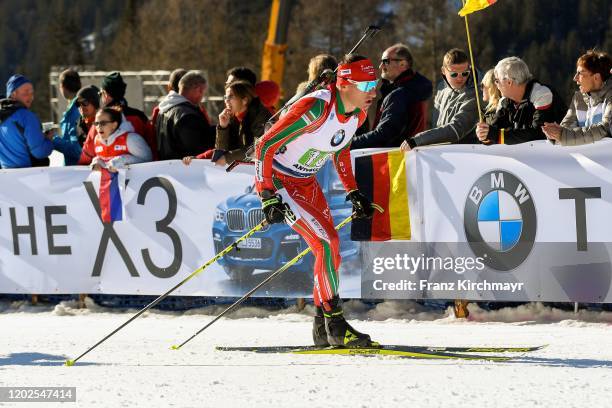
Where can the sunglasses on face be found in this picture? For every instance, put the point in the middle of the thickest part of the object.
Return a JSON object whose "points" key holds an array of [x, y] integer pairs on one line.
{"points": [[228, 97], [464, 74], [387, 61], [364, 86], [102, 123]]}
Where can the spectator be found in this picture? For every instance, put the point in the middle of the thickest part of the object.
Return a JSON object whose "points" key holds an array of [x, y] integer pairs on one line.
{"points": [[172, 87], [267, 91], [68, 142], [182, 128], [401, 113], [88, 101], [590, 114], [113, 95], [22, 142], [316, 66], [490, 94], [455, 106], [116, 145], [526, 105], [241, 74], [241, 123]]}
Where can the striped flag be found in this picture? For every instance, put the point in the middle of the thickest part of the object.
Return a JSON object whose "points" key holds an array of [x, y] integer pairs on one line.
{"points": [[471, 6], [382, 177], [111, 201]]}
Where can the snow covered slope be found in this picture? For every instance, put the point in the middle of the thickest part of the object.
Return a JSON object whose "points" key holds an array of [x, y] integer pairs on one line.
{"points": [[135, 368]]}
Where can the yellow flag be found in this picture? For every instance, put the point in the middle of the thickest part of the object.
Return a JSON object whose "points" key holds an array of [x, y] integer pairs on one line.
{"points": [[471, 6]]}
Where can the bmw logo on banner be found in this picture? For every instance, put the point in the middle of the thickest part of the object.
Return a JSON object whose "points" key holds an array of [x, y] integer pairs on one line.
{"points": [[500, 220]]}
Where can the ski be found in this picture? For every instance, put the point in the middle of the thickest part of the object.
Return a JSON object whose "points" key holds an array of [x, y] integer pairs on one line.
{"points": [[386, 351], [381, 350], [441, 349]]}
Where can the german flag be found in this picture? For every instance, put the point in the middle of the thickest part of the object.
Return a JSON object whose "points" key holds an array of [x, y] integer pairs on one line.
{"points": [[382, 177]]}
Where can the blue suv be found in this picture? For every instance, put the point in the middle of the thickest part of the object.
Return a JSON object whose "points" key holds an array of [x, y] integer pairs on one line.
{"points": [[275, 245]]}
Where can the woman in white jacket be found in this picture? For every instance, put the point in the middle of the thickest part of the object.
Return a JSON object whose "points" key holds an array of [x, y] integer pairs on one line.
{"points": [[590, 115], [116, 144]]}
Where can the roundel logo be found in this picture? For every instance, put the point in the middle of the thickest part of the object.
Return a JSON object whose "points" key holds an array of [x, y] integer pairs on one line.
{"points": [[500, 220], [338, 138]]}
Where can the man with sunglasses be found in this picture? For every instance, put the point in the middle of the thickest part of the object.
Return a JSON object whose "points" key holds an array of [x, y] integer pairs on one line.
{"points": [[316, 128], [454, 105], [401, 112]]}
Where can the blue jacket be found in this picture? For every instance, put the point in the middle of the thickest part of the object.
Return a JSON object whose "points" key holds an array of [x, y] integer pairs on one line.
{"points": [[22, 143], [68, 142]]}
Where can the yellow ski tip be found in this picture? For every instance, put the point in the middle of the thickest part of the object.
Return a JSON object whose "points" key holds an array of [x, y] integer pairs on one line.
{"points": [[175, 347], [69, 363]]}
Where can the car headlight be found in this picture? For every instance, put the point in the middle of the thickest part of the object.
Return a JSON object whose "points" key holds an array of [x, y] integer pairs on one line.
{"points": [[219, 215]]}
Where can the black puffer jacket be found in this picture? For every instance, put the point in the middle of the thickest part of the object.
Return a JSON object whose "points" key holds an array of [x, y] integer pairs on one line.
{"points": [[522, 122], [182, 129]]}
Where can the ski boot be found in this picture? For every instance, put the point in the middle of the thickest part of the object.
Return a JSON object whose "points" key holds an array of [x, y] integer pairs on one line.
{"points": [[339, 332], [319, 335]]}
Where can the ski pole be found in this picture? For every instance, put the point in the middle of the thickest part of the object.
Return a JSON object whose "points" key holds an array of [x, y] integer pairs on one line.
{"points": [[249, 293], [161, 297]]}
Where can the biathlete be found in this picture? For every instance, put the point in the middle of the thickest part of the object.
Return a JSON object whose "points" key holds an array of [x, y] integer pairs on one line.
{"points": [[317, 127]]}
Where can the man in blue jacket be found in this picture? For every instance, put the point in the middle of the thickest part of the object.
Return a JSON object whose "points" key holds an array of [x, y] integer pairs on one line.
{"points": [[22, 142], [402, 112]]}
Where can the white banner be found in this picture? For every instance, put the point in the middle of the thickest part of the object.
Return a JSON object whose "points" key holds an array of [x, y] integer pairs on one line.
{"points": [[446, 175], [533, 219], [176, 218]]}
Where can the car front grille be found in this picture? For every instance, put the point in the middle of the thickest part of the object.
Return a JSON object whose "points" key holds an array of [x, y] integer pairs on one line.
{"points": [[256, 216], [235, 220]]}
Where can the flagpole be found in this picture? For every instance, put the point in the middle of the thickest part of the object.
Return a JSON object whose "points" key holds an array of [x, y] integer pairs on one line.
{"points": [[476, 89]]}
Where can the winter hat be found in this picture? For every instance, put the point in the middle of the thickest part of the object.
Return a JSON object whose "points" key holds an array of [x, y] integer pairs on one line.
{"points": [[359, 71], [14, 83], [90, 94], [113, 85]]}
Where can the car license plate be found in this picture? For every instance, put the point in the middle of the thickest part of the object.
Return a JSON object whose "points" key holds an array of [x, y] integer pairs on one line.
{"points": [[250, 243]]}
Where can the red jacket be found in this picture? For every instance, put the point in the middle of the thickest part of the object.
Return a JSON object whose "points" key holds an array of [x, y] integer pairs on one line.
{"points": [[118, 148], [141, 126]]}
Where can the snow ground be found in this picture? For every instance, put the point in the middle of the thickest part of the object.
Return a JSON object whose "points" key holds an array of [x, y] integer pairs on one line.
{"points": [[135, 368]]}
